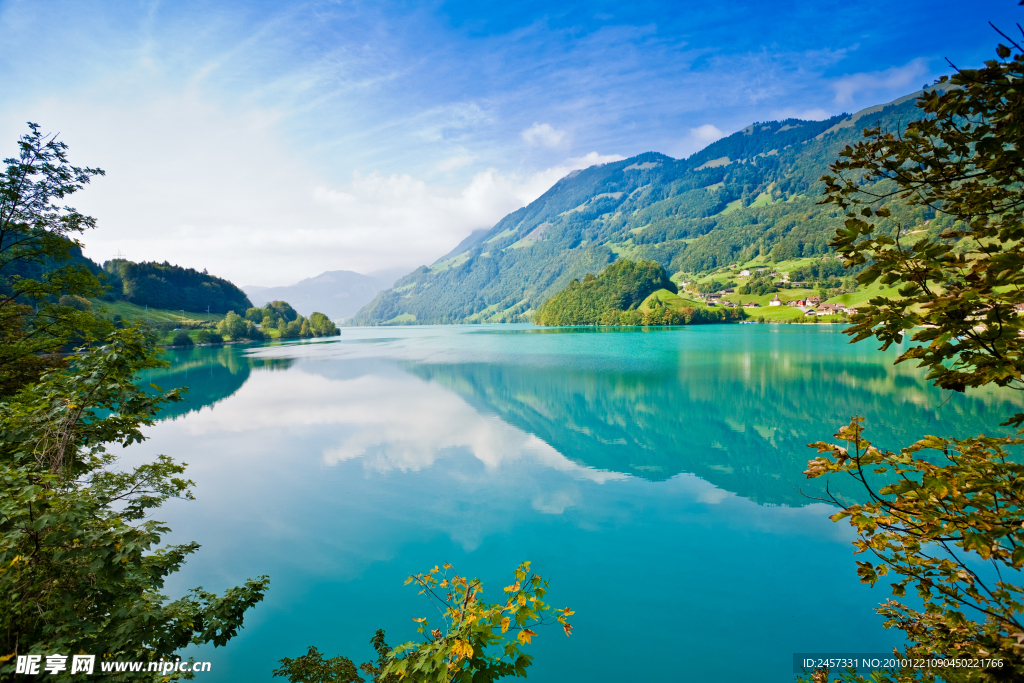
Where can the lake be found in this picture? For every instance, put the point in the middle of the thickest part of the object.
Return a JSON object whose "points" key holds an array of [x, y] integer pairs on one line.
{"points": [[653, 476]]}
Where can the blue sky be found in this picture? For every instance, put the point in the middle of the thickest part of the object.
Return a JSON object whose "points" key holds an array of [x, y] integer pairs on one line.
{"points": [[270, 141]]}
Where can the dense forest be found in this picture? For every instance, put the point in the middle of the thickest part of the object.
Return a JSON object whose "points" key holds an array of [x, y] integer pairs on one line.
{"points": [[752, 194], [162, 285], [620, 287]]}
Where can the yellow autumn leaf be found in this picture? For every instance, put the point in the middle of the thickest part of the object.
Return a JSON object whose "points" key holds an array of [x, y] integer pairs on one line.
{"points": [[568, 612], [447, 566], [567, 627], [513, 588], [420, 620], [522, 600], [461, 649], [6, 657], [525, 635], [504, 624]]}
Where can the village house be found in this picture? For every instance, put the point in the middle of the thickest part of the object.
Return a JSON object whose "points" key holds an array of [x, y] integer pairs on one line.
{"points": [[776, 301], [752, 304], [729, 291], [813, 300], [830, 309], [797, 303], [744, 273]]}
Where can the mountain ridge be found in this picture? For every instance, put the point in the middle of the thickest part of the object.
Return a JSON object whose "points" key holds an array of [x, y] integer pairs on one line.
{"points": [[338, 294], [750, 194]]}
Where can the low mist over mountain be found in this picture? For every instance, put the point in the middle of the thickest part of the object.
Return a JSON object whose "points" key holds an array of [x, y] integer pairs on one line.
{"points": [[338, 294], [753, 193]]}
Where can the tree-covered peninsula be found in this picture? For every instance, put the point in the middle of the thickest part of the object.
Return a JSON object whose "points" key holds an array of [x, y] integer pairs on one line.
{"points": [[621, 295]]}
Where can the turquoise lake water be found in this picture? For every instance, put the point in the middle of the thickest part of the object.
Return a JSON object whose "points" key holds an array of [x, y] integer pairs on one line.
{"points": [[652, 476]]}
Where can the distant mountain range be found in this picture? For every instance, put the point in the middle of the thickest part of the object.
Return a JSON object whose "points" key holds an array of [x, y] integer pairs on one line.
{"points": [[752, 194], [338, 294]]}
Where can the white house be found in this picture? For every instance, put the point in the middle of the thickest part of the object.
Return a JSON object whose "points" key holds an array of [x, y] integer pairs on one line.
{"points": [[776, 301]]}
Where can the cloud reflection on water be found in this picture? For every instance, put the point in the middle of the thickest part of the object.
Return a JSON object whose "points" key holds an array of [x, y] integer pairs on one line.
{"points": [[396, 422]]}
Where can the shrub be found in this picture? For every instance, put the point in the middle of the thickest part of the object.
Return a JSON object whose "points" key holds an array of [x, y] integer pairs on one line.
{"points": [[182, 339]]}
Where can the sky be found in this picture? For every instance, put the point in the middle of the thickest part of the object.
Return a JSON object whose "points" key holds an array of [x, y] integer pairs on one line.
{"points": [[271, 141]]}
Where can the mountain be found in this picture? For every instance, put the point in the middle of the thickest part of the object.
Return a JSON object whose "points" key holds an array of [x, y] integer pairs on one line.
{"points": [[338, 294], [751, 194]]}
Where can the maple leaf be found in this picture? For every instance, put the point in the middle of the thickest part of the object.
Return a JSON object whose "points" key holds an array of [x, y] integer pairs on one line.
{"points": [[525, 635]]}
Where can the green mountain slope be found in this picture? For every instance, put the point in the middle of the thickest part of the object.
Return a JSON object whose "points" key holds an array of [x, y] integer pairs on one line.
{"points": [[751, 194]]}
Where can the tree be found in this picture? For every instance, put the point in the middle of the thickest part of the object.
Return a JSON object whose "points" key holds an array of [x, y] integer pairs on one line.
{"points": [[944, 503], [313, 668], [232, 326], [37, 238], [80, 566], [473, 645], [182, 339], [322, 326], [958, 289], [480, 642]]}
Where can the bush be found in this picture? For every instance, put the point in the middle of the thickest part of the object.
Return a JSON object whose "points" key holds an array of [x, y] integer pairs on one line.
{"points": [[208, 337], [79, 303], [182, 339]]}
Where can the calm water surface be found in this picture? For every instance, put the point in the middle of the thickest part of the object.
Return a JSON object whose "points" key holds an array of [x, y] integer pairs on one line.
{"points": [[653, 476]]}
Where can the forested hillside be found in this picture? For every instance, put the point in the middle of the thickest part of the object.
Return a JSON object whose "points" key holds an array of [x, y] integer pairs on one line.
{"points": [[752, 194], [162, 285], [620, 287]]}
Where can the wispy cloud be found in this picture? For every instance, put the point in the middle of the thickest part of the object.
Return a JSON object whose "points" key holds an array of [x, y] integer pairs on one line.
{"points": [[544, 135], [888, 83], [223, 128]]}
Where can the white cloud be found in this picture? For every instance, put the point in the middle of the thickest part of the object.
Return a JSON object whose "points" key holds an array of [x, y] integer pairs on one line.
{"points": [[893, 82], [543, 135], [535, 184], [206, 187], [697, 139], [706, 133]]}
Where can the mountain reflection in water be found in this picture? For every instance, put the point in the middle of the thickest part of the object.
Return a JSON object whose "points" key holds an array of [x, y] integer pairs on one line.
{"points": [[659, 469], [739, 415]]}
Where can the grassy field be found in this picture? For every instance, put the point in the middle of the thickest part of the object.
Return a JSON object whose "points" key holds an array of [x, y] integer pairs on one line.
{"points": [[863, 294], [132, 312], [670, 300]]}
